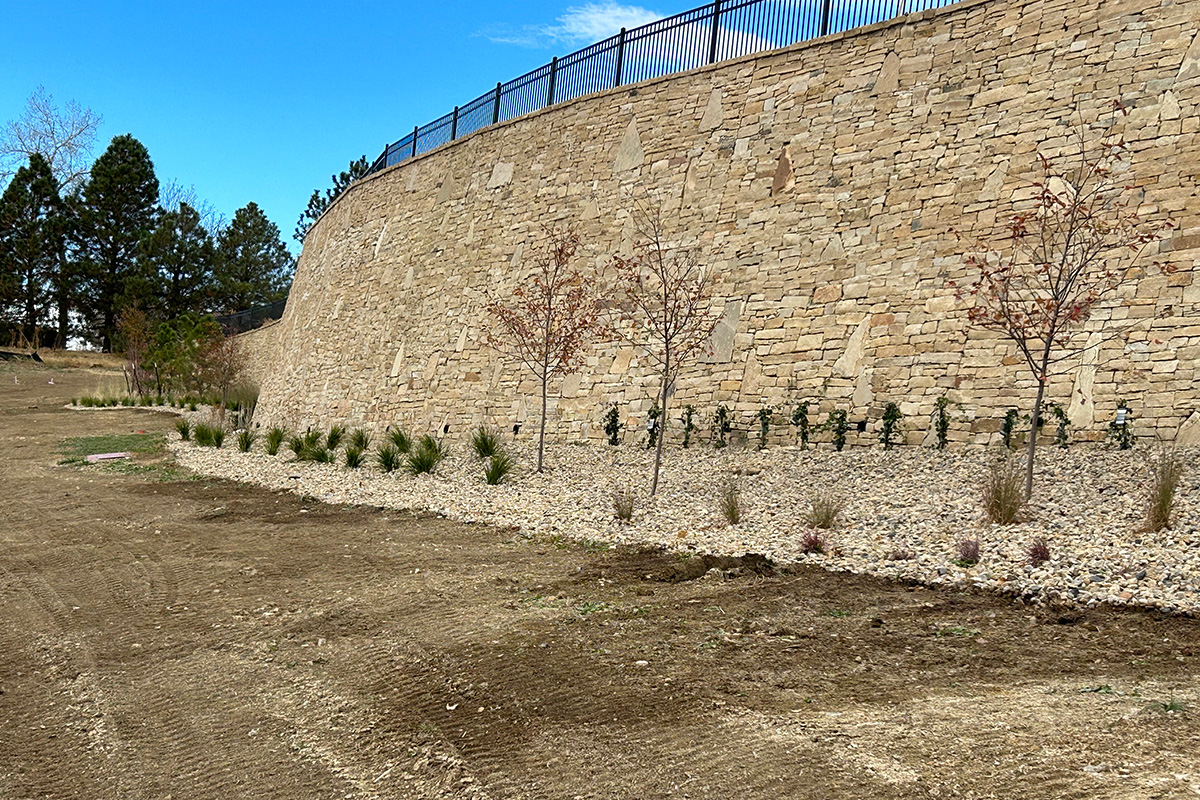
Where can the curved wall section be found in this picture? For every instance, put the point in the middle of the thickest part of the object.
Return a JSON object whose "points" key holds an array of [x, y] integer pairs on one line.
{"points": [[823, 183]]}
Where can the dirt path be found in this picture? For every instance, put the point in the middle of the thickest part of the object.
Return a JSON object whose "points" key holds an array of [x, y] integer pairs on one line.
{"points": [[194, 639]]}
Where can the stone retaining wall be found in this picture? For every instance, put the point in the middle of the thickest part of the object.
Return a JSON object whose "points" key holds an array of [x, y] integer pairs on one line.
{"points": [[824, 183]]}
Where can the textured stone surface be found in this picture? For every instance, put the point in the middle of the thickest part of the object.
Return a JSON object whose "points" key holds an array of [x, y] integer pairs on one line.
{"points": [[863, 238]]}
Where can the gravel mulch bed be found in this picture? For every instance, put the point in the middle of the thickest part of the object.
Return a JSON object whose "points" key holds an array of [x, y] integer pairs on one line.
{"points": [[906, 510]]}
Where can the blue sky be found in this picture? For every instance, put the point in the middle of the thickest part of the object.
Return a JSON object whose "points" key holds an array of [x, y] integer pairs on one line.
{"points": [[263, 100]]}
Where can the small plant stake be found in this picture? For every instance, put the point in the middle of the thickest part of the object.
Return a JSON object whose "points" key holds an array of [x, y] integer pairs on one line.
{"points": [[1120, 430]]}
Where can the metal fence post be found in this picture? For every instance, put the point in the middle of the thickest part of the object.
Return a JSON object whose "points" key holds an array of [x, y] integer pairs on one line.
{"points": [[496, 105], [553, 75], [620, 56], [454, 125], [716, 28], [415, 129], [825, 9]]}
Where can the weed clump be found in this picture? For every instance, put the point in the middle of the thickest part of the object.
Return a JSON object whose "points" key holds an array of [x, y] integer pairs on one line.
{"points": [[1165, 474], [1003, 492]]}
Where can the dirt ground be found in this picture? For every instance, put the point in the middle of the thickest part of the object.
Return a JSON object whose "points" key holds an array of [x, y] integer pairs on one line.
{"points": [[168, 637]]}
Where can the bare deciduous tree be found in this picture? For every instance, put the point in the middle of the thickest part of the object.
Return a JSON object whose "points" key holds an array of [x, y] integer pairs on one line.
{"points": [[668, 296], [551, 319], [64, 137], [1063, 256]]}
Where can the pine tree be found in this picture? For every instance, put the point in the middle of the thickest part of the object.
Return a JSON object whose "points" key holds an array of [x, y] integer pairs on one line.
{"points": [[253, 265], [31, 233], [117, 210], [177, 264], [318, 202]]}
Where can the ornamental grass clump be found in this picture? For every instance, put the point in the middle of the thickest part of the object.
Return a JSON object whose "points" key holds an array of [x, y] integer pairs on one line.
{"points": [[729, 502], [388, 458], [360, 440], [185, 429], [824, 511], [1003, 492], [400, 440], [209, 435], [274, 439], [425, 457], [1165, 473], [353, 456], [485, 442], [623, 501], [334, 437], [499, 465], [245, 440]]}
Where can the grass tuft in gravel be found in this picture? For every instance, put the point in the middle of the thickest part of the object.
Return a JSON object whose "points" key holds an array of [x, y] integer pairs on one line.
{"points": [[425, 458], [966, 552], [245, 440], [388, 458], [485, 442], [498, 467], [360, 440], [275, 438], [185, 429], [207, 435], [400, 440], [729, 502], [1003, 492], [334, 437], [813, 542], [1038, 552], [354, 457], [824, 511], [1165, 473], [624, 501]]}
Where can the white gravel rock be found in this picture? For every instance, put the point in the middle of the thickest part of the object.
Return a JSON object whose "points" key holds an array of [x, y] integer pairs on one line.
{"points": [[1088, 506]]}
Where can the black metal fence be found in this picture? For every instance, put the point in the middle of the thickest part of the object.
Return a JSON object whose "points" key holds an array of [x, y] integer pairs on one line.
{"points": [[256, 317], [715, 32]]}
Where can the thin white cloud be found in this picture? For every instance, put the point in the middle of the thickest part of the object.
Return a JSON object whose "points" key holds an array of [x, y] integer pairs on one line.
{"points": [[578, 25]]}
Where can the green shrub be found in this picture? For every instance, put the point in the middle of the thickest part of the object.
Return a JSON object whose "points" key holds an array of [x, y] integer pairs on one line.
{"points": [[184, 427], [764, 426], [1062, 436], [652, 426], [800, 422], [388, 458], [722, 425], [498, 467], [275, 438], [612, 424], [893, 422], [941, 421], [837, 425], [245, 439], [1120, 430], [434, 446], [335, 436], [422, 461], [485, 442], [400, 440], [360, 440], [689, 425], [354, 457], [1008, 427]]}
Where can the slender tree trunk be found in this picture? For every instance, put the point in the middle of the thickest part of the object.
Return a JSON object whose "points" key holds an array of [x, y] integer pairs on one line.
{"points": [[662, 424], [542, 427], [1031, 445]]}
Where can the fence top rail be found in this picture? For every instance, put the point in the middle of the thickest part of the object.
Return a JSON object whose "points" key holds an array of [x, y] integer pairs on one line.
{"points": [[701, 29]]}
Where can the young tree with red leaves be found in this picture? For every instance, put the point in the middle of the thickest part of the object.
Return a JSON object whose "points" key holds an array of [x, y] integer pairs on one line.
{"points": [[668, 297], [1065, 255], [551, 319]]}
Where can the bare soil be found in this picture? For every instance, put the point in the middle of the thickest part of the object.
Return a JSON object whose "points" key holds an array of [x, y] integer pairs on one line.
{"points": [[165, 636]]}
